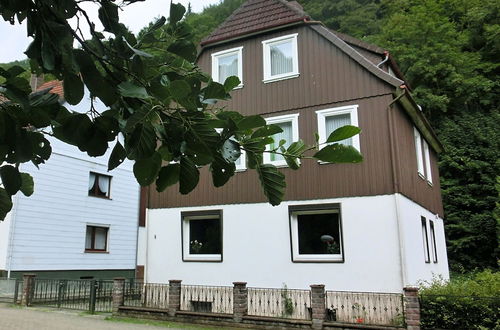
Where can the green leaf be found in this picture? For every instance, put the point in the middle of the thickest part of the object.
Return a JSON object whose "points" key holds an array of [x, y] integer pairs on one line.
{"points": [[214, 90], [141, 143], [27, 185], [169, 175], [251, 122], [108, 15], [183, 48], [5, 204], [188, 175], [268, 130], [73, 88], [230, 151], [222, 171], [339, 153], [343, 133], [129, 89], [176, 12], [146, 169], [179, 89], [11, 179], [231, 83], [273, 183], [117, 156], [294, 151]]}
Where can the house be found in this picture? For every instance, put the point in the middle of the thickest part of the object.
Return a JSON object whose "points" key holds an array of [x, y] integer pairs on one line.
{"points": [[372, 226], [81, 221]]}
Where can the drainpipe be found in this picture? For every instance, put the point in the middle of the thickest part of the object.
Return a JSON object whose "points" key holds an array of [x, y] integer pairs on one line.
{"points": [[386, 53], [396, 186]]}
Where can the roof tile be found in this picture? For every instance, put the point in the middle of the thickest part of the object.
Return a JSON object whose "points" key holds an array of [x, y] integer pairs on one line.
{"points": [[56, 85]]}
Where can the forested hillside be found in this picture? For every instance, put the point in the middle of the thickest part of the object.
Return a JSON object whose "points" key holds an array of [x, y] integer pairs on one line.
{"points": [[449, 51]]}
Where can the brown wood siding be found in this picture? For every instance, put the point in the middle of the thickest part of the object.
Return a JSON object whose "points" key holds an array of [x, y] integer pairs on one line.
{"points": [[372, 57], [410, 183], [327, 75], [313, 181]]}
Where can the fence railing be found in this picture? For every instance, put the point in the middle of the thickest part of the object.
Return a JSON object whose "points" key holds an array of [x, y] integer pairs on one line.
{"points": [[10, 290], [365, 307], [89, 295], [150, 295], [283, 303], [210, 299]]}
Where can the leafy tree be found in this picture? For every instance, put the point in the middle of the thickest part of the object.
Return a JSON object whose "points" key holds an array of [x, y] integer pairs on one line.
{"points": [[164, 108]]}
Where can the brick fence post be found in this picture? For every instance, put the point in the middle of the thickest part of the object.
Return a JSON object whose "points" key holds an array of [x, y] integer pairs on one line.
{"points": [[174, 296], [28, 289], [118, 293], [240, 301], [412, 308], [318, 305]]}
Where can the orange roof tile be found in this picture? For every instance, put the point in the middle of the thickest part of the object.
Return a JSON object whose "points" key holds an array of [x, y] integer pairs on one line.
{"points": [[56, 85]]}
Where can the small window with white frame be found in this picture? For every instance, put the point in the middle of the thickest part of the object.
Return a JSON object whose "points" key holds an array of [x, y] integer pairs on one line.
{"points": [[281, 60], [290, 126], [423, 156], [202, 236], [316, 233], [99, 185], [96, 238], [433, 241], [331, 119], [228, 63], [425, 240]]}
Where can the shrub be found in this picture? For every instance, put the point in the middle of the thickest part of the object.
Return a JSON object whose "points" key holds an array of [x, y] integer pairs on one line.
{"points": [[467, 302]]}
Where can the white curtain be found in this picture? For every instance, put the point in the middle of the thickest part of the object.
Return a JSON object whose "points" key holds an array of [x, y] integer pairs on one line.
{"points": [[101, 235], [281, 58], [91, 180], [287, 135], [228, 66], [337, 121], [104, 184]]}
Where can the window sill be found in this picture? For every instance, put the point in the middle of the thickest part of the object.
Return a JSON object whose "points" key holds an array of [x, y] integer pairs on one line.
{"points": [[279, 78], [318, 258], [240, 170], [96, 251], [202, 258], [101, 197], [430, 183]]}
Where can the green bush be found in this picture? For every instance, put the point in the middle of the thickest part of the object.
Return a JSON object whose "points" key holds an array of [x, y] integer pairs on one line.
{"points": [[467, 302]]}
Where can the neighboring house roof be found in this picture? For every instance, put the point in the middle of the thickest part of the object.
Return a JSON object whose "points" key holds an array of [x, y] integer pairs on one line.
{"points": [[56, 85], [257, 15]]}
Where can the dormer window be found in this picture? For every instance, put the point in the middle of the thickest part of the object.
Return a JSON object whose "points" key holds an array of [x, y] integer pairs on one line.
{"points": [[280, 58], [227, 63]]}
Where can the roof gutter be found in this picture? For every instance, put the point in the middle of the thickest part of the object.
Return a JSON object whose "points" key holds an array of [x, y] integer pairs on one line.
{"points": [[412, 109]]}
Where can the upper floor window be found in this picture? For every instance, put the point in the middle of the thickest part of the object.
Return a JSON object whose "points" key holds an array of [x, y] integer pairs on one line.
{"points": [[281, 60], [99, 185], [289, 125], [423, 156], [202, 235], [227, 63], [96, 239], [331, 119]]}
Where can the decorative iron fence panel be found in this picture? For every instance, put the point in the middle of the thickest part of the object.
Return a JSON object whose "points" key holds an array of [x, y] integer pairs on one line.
{"points": [[10, 290], [284, 303], [365, 307], [210, 299], [152, 295]]}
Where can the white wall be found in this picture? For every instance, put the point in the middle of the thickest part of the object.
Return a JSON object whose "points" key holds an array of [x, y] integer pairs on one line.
{"points": [[4, 240], [256, 248], [417, 269], [141, 246]]}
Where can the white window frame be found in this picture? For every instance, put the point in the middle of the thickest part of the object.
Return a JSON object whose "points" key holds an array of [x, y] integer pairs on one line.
{"points": [[294, 230], [186, 255], [294, 119], [108, 234], [432, 230], [352, 110], [418, 151], [427, 158], [424, 168], [425, 240], [228, 52], [266, 47]]}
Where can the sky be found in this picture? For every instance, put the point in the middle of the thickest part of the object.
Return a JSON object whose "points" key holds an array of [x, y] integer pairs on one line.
{"points": [[135, 16]]}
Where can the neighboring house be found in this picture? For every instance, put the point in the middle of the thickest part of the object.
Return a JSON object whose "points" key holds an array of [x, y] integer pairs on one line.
{"points": [[372, 226], [81, 221]]}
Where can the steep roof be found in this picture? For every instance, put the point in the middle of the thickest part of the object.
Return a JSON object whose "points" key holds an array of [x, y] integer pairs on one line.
{"points": [[257, 15], [56, 85]]}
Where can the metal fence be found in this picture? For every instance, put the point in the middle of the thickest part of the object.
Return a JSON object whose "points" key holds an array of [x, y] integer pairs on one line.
{"points": [[365, 307], [283, 303], [87, 295], [210, 299], [10, 290], [150, 295]]}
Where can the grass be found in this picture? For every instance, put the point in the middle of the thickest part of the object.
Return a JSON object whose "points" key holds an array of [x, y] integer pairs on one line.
{"points": [[164, 324]]}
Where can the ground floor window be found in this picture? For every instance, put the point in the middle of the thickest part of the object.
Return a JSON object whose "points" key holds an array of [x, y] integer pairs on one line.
{"points": [[202, 236], [96, 239], [316, 233]]}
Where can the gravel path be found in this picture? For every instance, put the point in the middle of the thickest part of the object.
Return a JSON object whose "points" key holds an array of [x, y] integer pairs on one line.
{"points": [[18, 318]]}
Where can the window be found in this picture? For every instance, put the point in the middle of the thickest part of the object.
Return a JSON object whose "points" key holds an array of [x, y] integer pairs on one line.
{"points": [[227, 63], [289, 125], [280, 58], [331, 119], [240, 163], [202, 236], [423, 157], [425, 240], [433, 242], [316, 233], [96, 239], [99, 185]]}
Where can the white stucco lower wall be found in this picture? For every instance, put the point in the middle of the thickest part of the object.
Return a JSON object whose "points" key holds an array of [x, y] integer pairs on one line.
{"points": [[256, 248], [141, 246], [416, 267]]}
